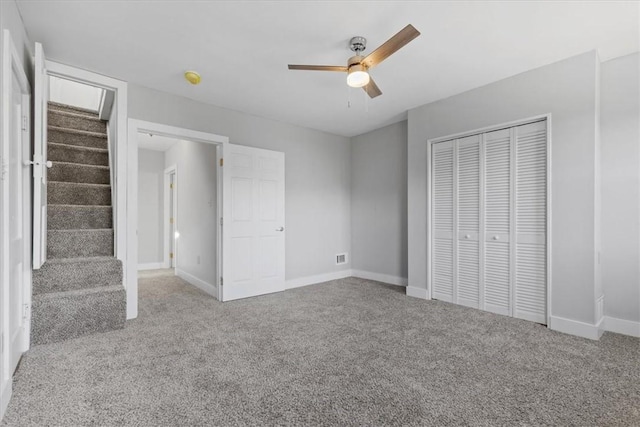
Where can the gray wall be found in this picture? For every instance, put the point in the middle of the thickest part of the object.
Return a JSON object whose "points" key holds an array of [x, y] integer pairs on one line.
{"points": [[317, 186], [620, 127], [567, 90], [150, 206], [197, 214], [11, 20], [379, 201]]}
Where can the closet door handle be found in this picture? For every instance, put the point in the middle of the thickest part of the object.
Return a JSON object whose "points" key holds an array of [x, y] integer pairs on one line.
{"points": [[467, 236], [496, 237]]}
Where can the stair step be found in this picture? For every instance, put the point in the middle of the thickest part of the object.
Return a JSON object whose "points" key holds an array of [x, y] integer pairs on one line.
{"points": [[59, 316], [70, 193], [77, 217], [74, 120], [74, 172], [70, 274], [76, 137], [77, 154], [79, 243], [70, 108]]}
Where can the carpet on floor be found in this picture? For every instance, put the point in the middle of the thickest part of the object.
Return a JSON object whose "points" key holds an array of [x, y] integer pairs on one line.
{"points": [[345, 352]]}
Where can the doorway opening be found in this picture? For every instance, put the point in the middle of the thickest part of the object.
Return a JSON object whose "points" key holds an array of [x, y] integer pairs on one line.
{"points": [[177, 206]]}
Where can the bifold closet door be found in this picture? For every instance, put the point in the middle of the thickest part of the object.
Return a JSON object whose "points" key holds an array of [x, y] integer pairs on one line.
{"points": [[530, 281], [442, 190], [488, 246], [497, 222], [467, 226]]}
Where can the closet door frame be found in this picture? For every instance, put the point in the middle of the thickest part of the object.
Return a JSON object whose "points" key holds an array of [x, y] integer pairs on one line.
{"points": [[549, 209]]}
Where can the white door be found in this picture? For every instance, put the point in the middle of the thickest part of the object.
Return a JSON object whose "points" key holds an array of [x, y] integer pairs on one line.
{"points": [[253, 230], [16, 263], [41, 97]]}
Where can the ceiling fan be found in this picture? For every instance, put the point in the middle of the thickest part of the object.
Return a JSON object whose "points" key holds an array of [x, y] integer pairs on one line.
{"points": [[358, 66]]}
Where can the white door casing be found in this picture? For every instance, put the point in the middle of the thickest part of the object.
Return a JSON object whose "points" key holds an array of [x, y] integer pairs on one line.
{"points": [[41, 97], [131, 185], [173, 219], [253, 233], [170, 210]]}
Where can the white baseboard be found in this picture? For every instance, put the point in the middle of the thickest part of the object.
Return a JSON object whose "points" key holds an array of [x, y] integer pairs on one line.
{"points": [[198, 283], [320, 278], [575, 327], [151, 266], [622, 326], [378, 277], [5, 397], [414, 292]]}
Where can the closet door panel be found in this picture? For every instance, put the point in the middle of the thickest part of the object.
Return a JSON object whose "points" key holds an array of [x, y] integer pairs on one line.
{"points": [[531, 205], [443, 208], [468, 221], [497, 221]]}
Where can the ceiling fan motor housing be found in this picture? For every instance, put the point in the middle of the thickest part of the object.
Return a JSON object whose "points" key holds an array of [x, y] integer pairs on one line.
{"points": [[358, 44]]}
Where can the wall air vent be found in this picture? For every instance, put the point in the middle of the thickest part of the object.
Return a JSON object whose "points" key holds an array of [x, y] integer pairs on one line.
{"points": [[341, 259]]}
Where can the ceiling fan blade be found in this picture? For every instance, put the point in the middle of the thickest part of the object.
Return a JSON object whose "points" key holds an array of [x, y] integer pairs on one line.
{"points": [[391, 46], [372, 89], [318, 67]]}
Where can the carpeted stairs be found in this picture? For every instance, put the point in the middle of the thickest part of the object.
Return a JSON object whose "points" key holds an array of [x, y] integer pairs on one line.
{"points": [[78, 290]]}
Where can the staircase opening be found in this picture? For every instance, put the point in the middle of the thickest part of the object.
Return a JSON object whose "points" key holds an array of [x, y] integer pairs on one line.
{"points": [[79, 288], [177, 211]]}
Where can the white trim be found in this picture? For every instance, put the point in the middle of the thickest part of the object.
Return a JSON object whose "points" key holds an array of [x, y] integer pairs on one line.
{"points": [[414, 292], [129, 181], [198, 283], [151, 266], [622, 326], [120, 162], [313, 280], [491, 128], [378, 277], [5, 395], [575, 327], [167, 214]]}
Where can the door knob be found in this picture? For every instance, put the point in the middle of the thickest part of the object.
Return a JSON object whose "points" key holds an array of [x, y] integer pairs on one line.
{"points": [[467, 236], [49, 163], [280, 229], [496, 237]]}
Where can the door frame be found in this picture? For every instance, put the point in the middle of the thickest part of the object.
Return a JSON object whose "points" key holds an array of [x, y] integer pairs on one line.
{"points": [[136, 126], [11, 60], [117, 151], [511, 124], [170, 211]]}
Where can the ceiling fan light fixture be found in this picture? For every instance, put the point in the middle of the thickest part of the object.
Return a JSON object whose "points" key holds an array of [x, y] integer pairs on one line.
{"points": [[357, 76]]}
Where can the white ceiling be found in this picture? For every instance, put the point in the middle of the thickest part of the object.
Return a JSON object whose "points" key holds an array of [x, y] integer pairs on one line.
{"points": [[155, 142], [242, 49]]}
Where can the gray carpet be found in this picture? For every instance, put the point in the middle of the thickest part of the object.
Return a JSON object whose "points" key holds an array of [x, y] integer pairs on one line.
{"points": [[347, 352], [78, 290]]}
